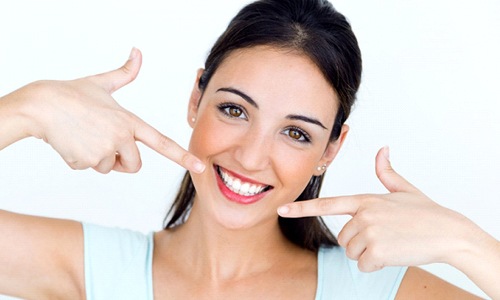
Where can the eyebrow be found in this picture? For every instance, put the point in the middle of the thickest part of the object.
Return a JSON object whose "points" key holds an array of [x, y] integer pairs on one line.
{"points": [[241, 94], [253, 103], [306, 119]]}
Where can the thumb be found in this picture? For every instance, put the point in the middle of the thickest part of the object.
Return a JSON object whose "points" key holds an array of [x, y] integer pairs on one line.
{"points": [[116, 79], [389, 178]]}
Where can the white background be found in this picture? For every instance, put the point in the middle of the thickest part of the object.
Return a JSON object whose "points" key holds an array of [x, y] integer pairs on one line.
{"points": [[429, 91]]}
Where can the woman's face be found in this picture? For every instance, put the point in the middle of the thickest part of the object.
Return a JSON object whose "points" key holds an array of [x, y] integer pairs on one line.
{"points": [[262, 127]]}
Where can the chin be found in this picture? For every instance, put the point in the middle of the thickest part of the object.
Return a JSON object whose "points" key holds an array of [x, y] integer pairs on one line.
{"points": [[236, 218]]}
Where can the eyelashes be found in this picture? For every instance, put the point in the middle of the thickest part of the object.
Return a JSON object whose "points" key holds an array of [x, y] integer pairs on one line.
{"points": [[234, 111], [297, 134]]}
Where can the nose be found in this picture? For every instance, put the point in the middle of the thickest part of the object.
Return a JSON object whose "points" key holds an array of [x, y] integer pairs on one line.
{"points": [[253, 151]]}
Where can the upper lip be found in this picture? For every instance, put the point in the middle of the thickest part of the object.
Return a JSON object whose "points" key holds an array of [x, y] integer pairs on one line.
{"points": [[243, 178]]}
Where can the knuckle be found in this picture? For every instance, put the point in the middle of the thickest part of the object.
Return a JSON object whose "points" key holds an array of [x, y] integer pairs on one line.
{"points": [[366, 199], [324, 205], [384, 171], [122, 133], [107, 149], [363, 217], [126, 116], [134, 168], [342, 240], [375, 254], [128, 72], [297, 207], [371, 233], [185, 158], [74, 161], [349, 252], [102, 170], [77, 165], [73, 165], [344, 243], [165, 143], [93, 161], [363, 265], [137, 167], [302, 207]]}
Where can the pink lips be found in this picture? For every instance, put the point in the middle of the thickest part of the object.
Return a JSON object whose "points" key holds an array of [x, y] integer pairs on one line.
{"points": [[234, 197]]}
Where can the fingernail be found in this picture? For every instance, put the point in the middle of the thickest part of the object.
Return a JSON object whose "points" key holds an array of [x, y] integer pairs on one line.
{"points": [[198, 167], [283, 210], [387, 153], [133, 53]]}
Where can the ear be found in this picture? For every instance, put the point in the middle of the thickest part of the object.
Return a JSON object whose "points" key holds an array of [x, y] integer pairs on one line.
{"points": [[194, 100], [331, 150]]}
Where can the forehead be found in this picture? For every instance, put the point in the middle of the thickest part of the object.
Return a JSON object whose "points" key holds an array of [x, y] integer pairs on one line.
{"points": [[277, 77]]}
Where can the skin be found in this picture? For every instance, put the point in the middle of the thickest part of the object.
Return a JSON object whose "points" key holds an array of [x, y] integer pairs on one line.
{"points": [[260, 146], [222, 241], [227, 252], [73, 114], [406, 228], [70, 115]]}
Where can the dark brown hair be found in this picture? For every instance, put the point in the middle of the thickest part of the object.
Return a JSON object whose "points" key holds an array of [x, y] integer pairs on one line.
{"points": [[310, 27]]}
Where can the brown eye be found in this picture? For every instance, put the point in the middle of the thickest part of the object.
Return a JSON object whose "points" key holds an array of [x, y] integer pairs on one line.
{"points": [[294, 134], [235, 112], [231, 110], [297, 135]]}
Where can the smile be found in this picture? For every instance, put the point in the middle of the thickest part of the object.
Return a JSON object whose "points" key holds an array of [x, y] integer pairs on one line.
{"points": [[239, 185]]}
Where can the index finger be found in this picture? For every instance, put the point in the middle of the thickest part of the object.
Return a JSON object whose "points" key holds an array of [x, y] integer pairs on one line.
{"points": [[168, 148], [344, 205]]}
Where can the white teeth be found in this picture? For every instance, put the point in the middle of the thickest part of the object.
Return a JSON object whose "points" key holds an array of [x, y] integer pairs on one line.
{"points": [[235, 185], [252, 189], [245, 188]]}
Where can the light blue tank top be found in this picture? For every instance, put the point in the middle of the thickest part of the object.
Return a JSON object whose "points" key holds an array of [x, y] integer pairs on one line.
{"points": [[118, 265]]}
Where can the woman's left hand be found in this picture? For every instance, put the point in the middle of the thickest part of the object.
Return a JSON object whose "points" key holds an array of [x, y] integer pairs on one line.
{"points": [[403, 228]]}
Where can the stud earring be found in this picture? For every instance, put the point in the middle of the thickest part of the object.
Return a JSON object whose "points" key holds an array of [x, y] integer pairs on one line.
{"points": [[193, 120], [321, 168]]}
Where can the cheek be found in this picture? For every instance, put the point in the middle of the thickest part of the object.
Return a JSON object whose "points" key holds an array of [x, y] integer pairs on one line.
{"points": [[295, 170], [207, 138]]}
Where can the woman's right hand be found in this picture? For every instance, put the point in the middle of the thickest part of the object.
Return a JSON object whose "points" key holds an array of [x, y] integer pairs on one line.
{"points": [[88, 128]]}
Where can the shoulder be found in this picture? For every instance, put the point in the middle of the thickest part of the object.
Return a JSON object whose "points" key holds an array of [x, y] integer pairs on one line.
{"points": [[118, 263], [339, 277]]}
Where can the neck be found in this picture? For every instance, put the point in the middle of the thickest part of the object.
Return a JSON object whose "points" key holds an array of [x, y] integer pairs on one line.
{"points": [[213, 251]]}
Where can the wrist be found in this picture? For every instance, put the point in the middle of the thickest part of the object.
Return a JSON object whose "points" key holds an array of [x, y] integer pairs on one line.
{"points": [[472, 246], [30, 110], [479, 260], [16, 122]]}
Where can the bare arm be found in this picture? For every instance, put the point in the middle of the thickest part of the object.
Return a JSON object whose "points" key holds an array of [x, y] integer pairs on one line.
{"points": [[420, 284], [42, 258], [14, 122], [406, 228], [84, 124]]}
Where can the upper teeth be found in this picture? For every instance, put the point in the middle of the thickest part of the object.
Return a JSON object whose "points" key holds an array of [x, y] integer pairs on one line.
{"points": [[235, 185]]}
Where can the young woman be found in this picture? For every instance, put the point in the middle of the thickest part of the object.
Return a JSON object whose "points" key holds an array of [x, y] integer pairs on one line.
{"points": [[267, 113]]}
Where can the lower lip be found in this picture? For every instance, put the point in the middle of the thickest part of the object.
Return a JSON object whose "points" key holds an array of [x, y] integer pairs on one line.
{"points": [[232, 196]]}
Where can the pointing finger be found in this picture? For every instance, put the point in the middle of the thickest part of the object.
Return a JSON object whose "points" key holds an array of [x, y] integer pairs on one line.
{"points": [[167, 147], [346, 205]]}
